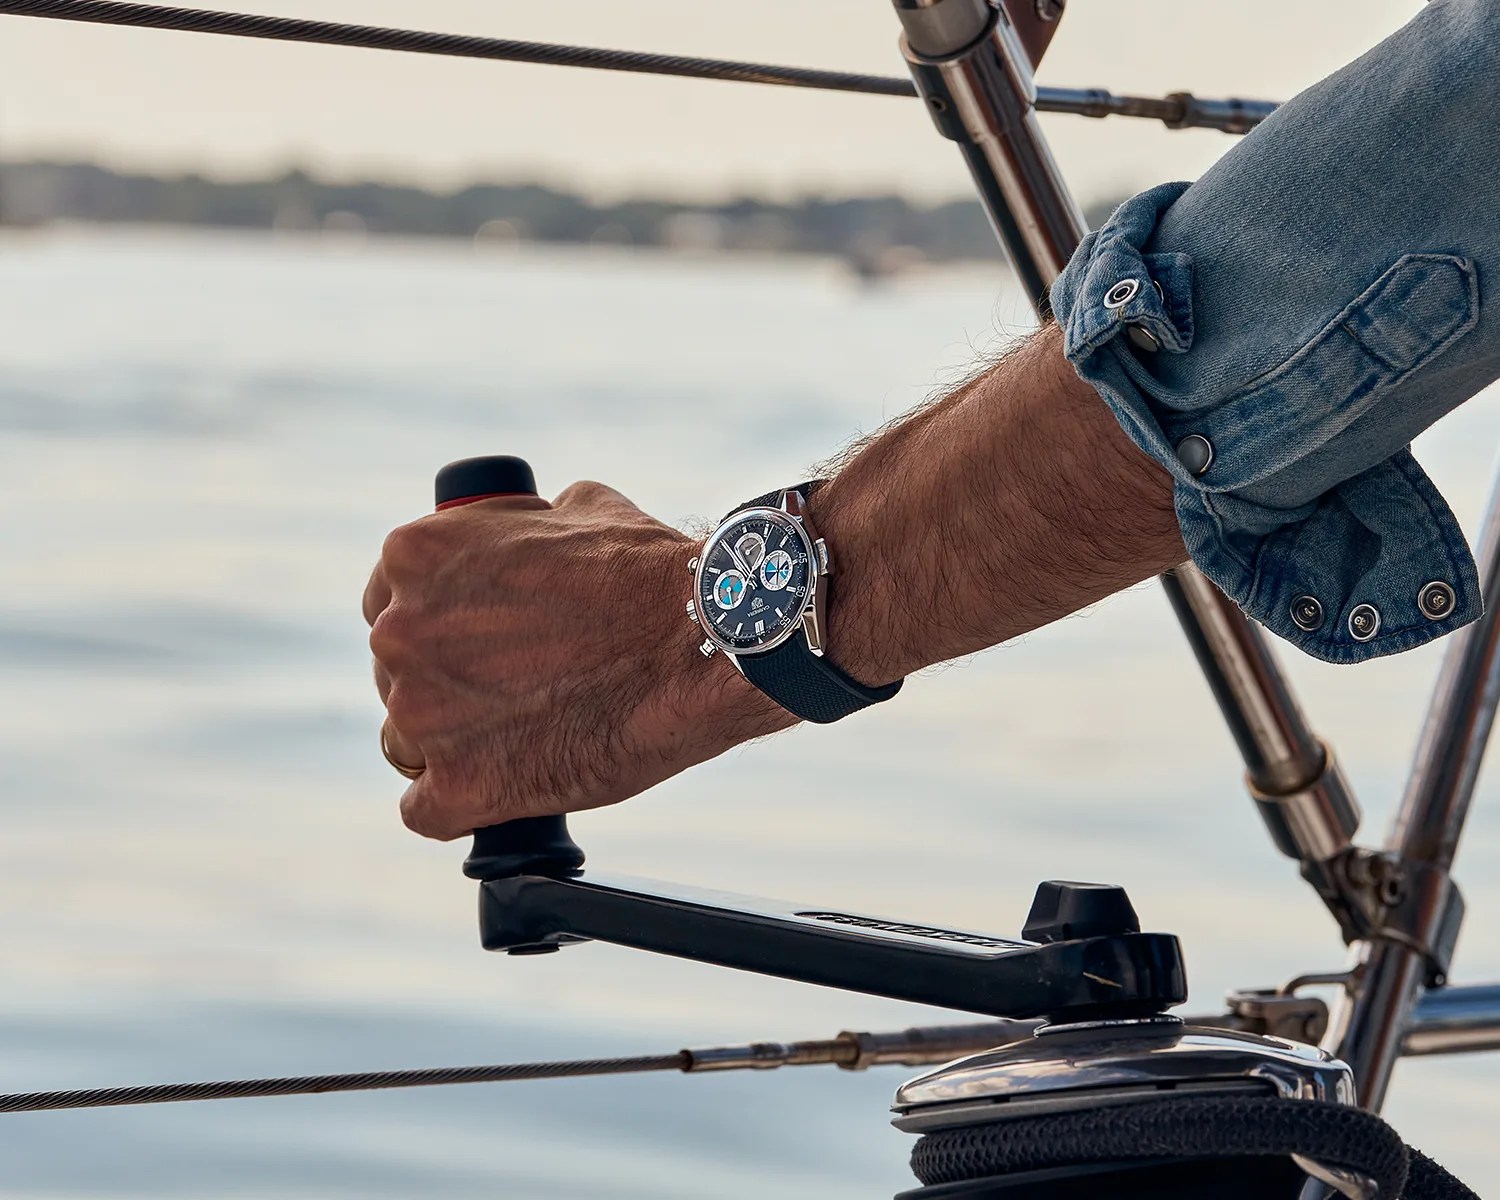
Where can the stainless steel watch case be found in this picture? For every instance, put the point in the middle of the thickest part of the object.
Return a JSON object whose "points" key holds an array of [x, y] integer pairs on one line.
{"points": [[812, 623]]}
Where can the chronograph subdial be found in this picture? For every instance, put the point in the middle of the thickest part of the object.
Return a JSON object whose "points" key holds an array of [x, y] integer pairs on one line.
{"points": [[729, 590], [754, 581], [776, 571]]}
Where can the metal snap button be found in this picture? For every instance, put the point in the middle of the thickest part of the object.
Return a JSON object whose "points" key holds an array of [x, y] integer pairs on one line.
{"points": [[1122, 293], [1436, 600], [1364, 622], [1307, 613], [1142, 338], [1196, 453]]}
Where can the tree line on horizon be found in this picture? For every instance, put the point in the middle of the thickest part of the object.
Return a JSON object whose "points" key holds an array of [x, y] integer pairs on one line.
{"points": [[855, 227]]}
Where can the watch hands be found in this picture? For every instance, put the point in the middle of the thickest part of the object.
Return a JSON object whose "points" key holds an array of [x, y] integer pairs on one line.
{"points": [[744, 570]]}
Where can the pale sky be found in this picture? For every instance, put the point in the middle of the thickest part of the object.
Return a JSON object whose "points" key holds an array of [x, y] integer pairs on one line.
{"points": [[174, 100]]}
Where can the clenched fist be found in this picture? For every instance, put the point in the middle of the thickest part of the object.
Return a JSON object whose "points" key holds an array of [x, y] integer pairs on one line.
{"points": [[535, 659]]}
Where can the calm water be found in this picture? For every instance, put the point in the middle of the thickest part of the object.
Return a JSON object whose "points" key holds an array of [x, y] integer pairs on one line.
{"points": [[202, 441]]}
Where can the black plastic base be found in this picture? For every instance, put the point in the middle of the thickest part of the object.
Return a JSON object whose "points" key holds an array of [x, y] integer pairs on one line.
{"points": [[1226, 1179]]}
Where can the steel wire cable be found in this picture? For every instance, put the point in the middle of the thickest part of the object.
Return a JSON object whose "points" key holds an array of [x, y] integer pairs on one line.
{"points": [[307, 1085], [1179, 110], [328, 33]]}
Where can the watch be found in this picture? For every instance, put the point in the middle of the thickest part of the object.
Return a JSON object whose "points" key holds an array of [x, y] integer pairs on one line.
{"points": [[760, 595]]}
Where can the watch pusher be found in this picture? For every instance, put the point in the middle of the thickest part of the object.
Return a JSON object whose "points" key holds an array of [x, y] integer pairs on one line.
{"points": [[811, 621]]}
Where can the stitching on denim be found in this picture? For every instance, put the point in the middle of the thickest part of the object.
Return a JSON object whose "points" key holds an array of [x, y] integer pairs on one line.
{"points": [[1440, 526], [1466, 274], [1409, 475], [1224, 543], [1257, 423], [1444, 525], [1362, 301]]}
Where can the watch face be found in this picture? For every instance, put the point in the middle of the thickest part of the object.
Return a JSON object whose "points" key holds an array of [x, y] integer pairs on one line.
{"points": [[754, 580]]}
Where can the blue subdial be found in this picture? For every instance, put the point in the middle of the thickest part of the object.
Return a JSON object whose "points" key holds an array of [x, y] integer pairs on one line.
{"points": [[755, 605], [776, 571], [729, 590]]}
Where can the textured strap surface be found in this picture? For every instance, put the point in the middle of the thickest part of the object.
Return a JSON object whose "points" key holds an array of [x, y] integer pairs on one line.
{"points": [[807, 685], [773, 499], [810, 686]]}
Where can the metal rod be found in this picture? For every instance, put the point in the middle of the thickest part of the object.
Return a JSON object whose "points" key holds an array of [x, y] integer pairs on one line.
{"points": [[982, 96], [1280, 751], [1455, 1020], [1369, 1024], [1457, 731]]}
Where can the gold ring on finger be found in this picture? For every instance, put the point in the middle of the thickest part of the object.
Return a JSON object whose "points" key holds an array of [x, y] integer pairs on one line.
{"points": [[405, 769]]}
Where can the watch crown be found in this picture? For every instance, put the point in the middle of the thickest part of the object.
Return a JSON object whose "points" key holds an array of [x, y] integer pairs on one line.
{"points": [[825, 560], [692, 610], [692, 565], [707, 649]]}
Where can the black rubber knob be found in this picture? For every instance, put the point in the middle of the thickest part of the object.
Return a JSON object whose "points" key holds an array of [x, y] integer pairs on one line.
{"points": [[533, 845], [471, 479], [1064, 912]]}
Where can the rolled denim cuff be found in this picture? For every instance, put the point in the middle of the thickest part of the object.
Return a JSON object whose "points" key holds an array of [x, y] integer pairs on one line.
{"points": [[1346, 561]]}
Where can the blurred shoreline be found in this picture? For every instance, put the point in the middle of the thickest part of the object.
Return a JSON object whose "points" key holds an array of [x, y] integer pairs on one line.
{"points": [[876, 236]]}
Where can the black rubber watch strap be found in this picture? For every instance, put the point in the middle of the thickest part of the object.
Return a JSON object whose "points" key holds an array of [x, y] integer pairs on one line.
{"points": [[807, 685], [773, 499]]}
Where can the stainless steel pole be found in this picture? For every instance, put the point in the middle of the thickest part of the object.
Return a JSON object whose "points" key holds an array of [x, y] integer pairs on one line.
{"points": [[1370, 1023], [1455, 1020], [976, 80]]}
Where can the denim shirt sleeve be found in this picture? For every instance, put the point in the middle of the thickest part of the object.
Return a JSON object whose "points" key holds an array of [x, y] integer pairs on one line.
{"points": [[1277, 333]]}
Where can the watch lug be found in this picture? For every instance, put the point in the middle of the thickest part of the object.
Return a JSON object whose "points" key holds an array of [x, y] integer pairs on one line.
{"points": [[793, 504], [812, 627], [692, 564]]}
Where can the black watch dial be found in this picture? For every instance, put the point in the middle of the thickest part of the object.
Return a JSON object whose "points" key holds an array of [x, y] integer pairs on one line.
{"points": [[753, 580]]}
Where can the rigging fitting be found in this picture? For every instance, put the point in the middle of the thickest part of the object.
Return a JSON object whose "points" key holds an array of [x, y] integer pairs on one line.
{"points": [[1180, 110], [920, 1046]]}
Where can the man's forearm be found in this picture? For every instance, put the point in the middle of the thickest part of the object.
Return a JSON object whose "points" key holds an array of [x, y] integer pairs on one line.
{"points": [[512, 691], [1012, 502]]}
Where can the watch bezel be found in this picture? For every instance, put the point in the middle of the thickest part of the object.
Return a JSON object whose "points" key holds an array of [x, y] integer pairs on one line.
{"points": [[814, 577]]}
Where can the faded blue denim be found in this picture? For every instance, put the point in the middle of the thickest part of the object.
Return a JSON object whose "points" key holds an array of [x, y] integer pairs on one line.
{"points": [[1321, 301]]}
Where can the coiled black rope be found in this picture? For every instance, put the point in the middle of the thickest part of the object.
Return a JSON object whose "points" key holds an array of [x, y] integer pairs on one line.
{"points": [[307, 1085], [1185, 1129], [328, 33]]}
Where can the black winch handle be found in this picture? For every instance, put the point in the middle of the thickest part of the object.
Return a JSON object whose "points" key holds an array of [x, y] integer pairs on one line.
{"points": [[532, 845]]}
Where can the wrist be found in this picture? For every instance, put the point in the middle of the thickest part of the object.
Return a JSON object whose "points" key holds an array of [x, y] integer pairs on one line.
{"points": [[708, 699]]}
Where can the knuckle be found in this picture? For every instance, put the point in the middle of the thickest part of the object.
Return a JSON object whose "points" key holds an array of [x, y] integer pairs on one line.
{"points": [[585, 491], [377, 596], [409, 709], [394, 636], [413, 812], [414, 547], [432, 806]]}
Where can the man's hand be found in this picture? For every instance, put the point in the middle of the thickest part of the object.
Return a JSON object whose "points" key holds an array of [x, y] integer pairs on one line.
{"points": [[536, 658]]}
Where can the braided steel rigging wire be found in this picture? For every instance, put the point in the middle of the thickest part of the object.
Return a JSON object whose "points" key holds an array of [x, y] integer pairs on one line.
{"points": [[307, 1085], [328, 33], [1179, 110]]}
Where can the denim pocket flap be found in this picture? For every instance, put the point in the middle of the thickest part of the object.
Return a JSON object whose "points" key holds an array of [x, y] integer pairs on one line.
{"points": [[1419, 306]]}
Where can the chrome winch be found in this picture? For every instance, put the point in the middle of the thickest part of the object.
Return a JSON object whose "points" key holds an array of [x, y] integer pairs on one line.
{"points": [[1144, 1107]]}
